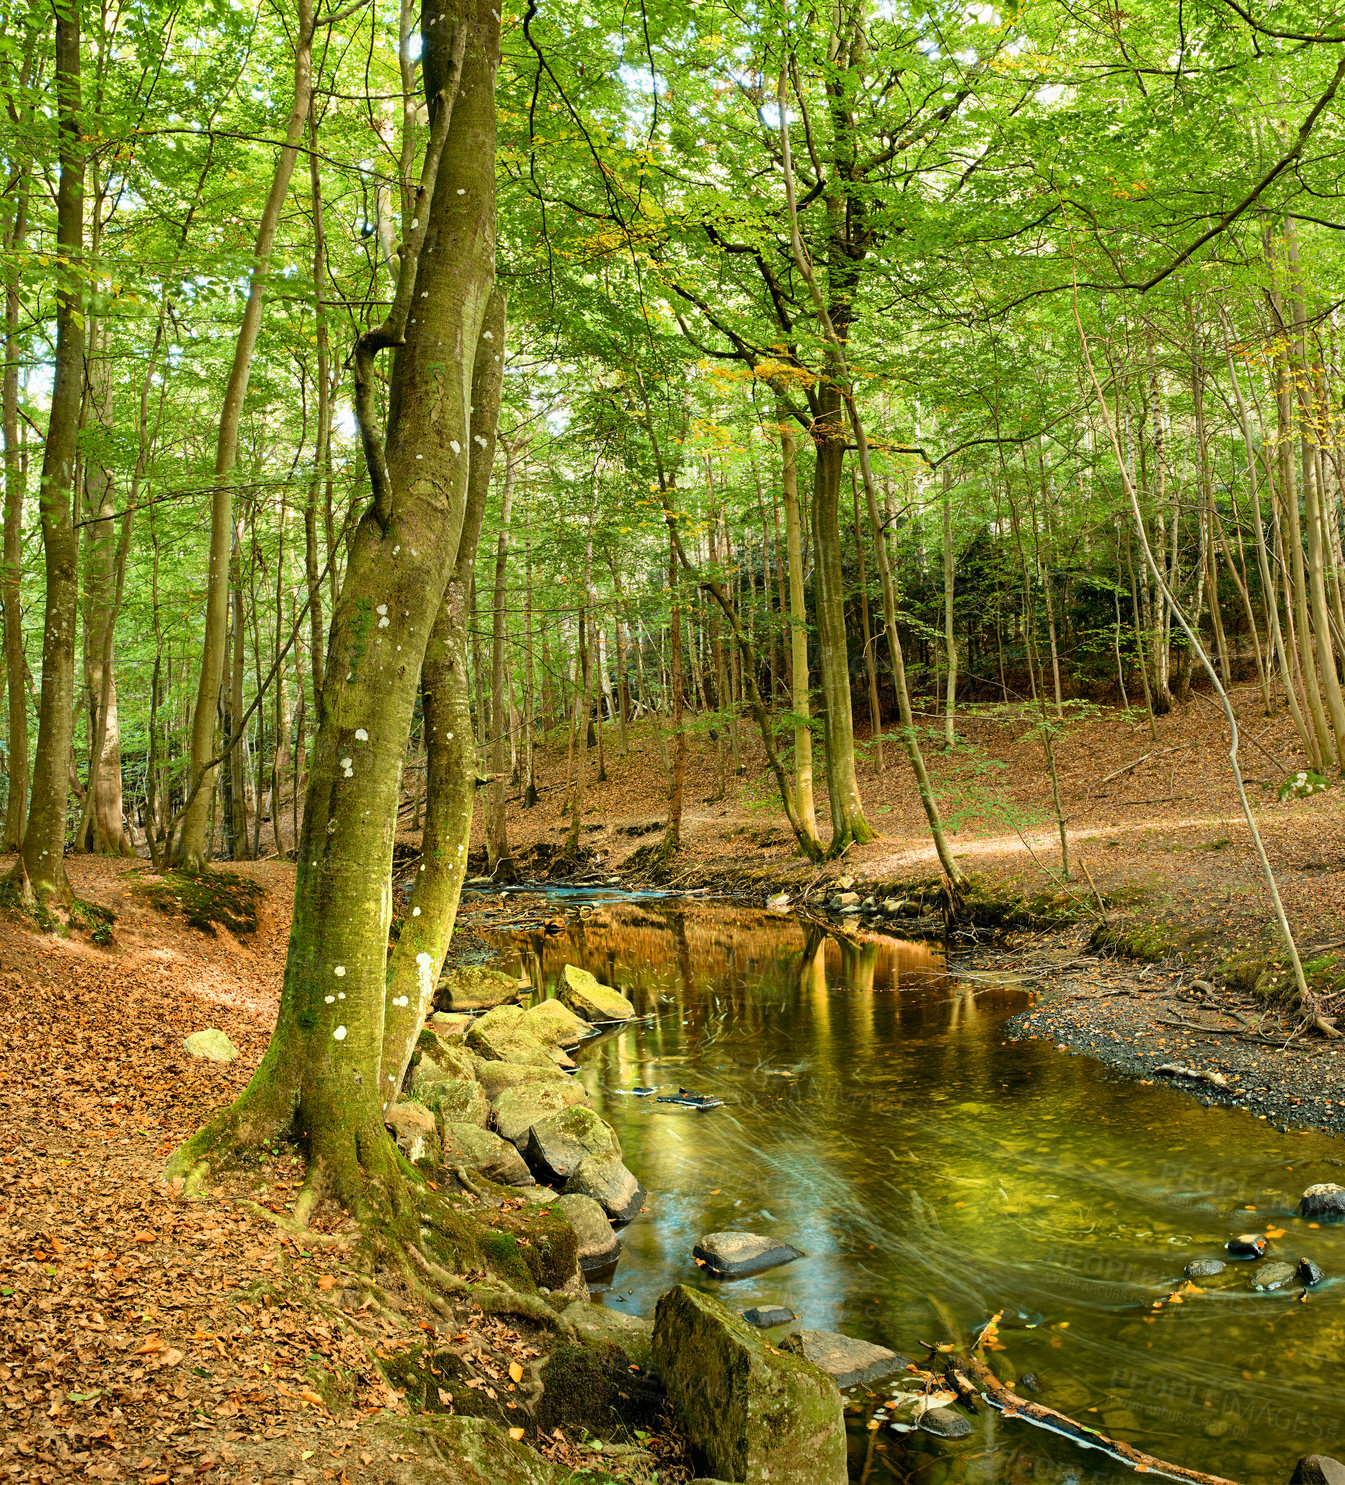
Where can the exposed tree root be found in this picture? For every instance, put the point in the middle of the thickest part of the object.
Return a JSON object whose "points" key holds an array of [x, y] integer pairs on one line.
{"points": [[493, 1301]]}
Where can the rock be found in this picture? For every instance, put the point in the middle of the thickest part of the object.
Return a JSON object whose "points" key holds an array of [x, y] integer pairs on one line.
{"points": [[558, 1142], [450, 1024], [445, 1051], [778, 902], [474, 987], [587, 998], [478, 1149], [944, 1423], [1308, 1272], [1246, 1245], [211, 1044], [765, 1317], [1318, 1469], [500, 1036], [441, 1066], [610, 1184], [846, 899], [849, 1362], [1029, 1382], [843, 884], [495, 1077], [516, 1110], [1204, 1268], [748, 1412], [1273, 1275], [733, 1255], [631, 1333], [461, 1450], [555, 1024], [1324, 1200], [413, 1128], [457, 1101], [599, 1246]]}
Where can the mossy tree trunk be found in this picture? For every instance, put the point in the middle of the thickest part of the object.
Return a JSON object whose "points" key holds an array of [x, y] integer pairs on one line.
{"points": [[322, 1079], [40, 869]]}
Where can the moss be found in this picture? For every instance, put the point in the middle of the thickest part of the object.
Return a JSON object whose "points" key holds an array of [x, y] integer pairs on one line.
{"points": [[207, 898], [590, 1385], [1148, 942]]}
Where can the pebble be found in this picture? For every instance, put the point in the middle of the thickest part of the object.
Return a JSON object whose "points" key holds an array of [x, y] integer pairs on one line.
{"points": [[1246, 1245], [944, 1423]]}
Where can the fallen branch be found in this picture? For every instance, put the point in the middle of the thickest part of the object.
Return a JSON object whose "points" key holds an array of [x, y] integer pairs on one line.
{"points": [[968, 1377]]}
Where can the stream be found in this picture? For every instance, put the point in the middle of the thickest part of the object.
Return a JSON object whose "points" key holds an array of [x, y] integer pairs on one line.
{"points": [[934, 1172]]}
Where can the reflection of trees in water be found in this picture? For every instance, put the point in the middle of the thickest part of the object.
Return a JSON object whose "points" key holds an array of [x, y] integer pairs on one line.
{"points": [[732, 952]]}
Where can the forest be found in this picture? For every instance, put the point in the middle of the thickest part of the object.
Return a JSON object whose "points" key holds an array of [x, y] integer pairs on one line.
{"points": [[473, 477]]}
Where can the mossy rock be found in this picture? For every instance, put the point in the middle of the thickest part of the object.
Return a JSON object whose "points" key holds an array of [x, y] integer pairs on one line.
{"points": [[748, 1411], [532, 1249], [475, 987], [1148, 942], [464, 1450], [589, 1385], [207, 898]]}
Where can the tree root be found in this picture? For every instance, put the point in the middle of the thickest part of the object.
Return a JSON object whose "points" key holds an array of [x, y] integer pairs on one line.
{"points": [[493, 1301]]}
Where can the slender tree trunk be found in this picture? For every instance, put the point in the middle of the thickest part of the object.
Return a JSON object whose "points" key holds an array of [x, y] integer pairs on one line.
{"points": [[40, 869], [191, 844], [949, 633], [499, 862], [798, 637], [870, 665], [672, 836]]}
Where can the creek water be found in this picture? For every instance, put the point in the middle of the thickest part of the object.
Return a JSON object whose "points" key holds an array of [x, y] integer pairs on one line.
{"points": [[933, 1171]]}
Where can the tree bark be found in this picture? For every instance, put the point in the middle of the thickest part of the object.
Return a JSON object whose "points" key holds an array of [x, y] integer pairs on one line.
{"points": [[499, 862]]}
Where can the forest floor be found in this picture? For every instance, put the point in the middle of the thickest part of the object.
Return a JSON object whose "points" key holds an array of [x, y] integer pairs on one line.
{"points": [[148, 1337], [1154, 826]]}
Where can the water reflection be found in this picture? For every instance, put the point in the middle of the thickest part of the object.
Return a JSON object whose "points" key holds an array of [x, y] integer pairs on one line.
{"points": [[934, 1173]]}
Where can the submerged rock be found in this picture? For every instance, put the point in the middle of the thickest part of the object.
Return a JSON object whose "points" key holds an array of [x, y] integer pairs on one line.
{"points": [[212, 1044], [1318, 1469], [516, 1110], [1029, 1382], [610, 1184], [765, 1317], [1204, 1268], [944, 1423], [1246, 1245], [734, 1255], [558, 1143], [849, 1362], [1308, 1272], [599, 1246], [748, 1412], [468, 1144], [1323, 1200], [413, 1128], [1273, 1275], [584, 995]]}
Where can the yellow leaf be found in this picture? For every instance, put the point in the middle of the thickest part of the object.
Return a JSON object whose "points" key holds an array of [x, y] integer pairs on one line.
{"points": [[515, 1372]]}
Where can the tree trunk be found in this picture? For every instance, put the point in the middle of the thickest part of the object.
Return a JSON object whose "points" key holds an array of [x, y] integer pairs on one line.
{"points": [[798, 637], [324, 1078], [191, 844], [41, 866], [499, 862]]}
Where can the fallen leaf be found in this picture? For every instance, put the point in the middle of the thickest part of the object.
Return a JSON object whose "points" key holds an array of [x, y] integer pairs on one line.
{"points": [[516, 1434], [515, 1372], [327, 1281], [146, 1347]]}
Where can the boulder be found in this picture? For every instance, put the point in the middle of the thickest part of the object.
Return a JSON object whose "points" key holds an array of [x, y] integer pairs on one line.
{"points": [[1323, 1200], [475, 987], [468, 1144], [558, 1142], [593, 1001], [438, 1058], [748, 1412], [846, 899], [451, 1025], [734, 1255], [1246, 1245], [1318, 1469], [516, 1110], [849, 1362], [944, 1423], [555, 1024], [599, 1246], [764, 1317], [631, 1333], [500, 1036], [495, 1077], [610, 1184], [1204, 1268], [457, 1101], [413, 1128], [211, 1044], [1274, 1275]]}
